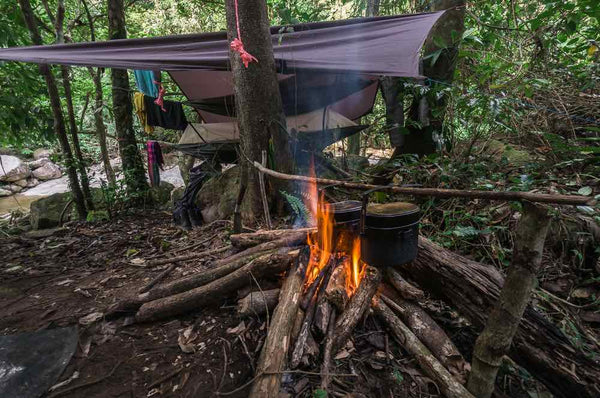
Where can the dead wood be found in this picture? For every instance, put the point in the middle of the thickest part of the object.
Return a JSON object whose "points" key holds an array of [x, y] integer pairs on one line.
{"points": [[258, 303], [402, 286], [308, 319], [429, 333], [335, 291], [539, 346], [188, 256], [267, 264], [496, 338], [438, 192], [272, 360], [449, 387], [158, 278], [325, 373], [312, 288], [358, 304], [249, 239], [322, 315]]}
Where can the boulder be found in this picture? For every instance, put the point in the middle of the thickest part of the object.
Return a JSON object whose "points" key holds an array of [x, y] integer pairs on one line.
{"points": [[38, 163], [32, 182], [161, 195], [177, 194], [216, 199], [22, 183], [13, 169], [48, 171], [42, 153], [513, 154], [4, 192], [45, 212], [15, 188]]}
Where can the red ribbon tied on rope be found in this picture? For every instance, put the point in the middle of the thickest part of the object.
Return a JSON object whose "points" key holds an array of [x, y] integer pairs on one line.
{"points": [[237, 45]]}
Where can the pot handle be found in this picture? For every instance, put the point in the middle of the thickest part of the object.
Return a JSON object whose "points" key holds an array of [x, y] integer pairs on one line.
{"points": [[363, 208]]}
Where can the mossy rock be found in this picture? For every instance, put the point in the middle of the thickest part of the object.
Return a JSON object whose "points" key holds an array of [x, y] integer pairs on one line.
{"points": [[216, 199], [515, 156], [161, 195], [46, 212]]}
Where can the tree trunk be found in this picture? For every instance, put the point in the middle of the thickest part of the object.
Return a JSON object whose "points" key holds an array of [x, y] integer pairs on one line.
{"points": [[257, 96], [99, 106], [497, 336], [430, 112], [539, 346], [59, 122], [133, 167]]}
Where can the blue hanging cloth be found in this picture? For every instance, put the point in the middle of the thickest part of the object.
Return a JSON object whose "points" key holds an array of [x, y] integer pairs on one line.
{"points": [[144, 80]]}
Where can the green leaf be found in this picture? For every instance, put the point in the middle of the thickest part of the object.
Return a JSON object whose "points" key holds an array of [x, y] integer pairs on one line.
{"points": [[319, 393], [585, 191]]}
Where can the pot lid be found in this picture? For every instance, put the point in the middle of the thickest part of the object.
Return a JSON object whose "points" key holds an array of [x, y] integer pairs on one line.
{"points": [[346, 211], [392, 215]]}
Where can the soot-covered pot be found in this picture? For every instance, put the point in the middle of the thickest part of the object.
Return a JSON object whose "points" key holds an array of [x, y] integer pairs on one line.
{"points": [[389, 233]]}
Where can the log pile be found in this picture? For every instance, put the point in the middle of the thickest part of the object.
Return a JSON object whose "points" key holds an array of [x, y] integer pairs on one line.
{"points": [[314, 329]]}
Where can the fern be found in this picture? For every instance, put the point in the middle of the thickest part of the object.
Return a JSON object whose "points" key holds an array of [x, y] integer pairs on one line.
{"points": [[298, 207]]}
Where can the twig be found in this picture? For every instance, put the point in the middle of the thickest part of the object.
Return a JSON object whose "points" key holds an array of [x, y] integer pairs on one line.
{"points": [[574, 200], [165, 378], [264, 298], [62, 213], [159, 278], [89, 383], [189, 256], [263, 191]]}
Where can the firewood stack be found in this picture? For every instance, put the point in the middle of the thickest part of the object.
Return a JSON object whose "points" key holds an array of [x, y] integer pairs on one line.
{"points": [[314, 326]]}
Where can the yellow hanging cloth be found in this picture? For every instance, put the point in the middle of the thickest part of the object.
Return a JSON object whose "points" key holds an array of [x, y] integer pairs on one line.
{"points": [[140, 110]]}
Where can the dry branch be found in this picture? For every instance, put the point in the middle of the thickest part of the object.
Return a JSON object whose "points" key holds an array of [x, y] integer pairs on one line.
{"points": [[438, 192], [273, 356], [405, 288], [358, 304], [257, 303], [325, 373], [158, 278], [249, 239], [450, 387], [335, 291], [539, 346], [429, 333], [188, 256], [268, 264]]}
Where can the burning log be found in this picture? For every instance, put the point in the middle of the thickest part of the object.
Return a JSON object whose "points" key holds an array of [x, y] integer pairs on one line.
{"points": [[308, 320], [539, 346], [258, 303], [358, 304], [312, 288], [246, 240], [429, 333], [273, 356], [267, 264], [335, 292], [407, 290], [450, 387]]}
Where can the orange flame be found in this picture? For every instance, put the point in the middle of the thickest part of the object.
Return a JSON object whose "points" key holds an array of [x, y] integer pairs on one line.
{"points": [[353, 267]]}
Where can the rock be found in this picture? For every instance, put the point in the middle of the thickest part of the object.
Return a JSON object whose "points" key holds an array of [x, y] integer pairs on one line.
{"points": [[13, 169], [45, 212], [38, 163], [15, 188], [216, 199], [32, 182], [42, 153], [4, 192], [513, 154], [21, 183], [161, 195], [49, 171]]}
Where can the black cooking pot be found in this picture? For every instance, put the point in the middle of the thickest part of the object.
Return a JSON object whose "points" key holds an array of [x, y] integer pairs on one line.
{"points": [[389, 233], [346, 223]]}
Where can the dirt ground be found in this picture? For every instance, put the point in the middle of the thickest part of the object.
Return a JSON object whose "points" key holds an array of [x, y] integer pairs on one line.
{"points": [[73, 275]]}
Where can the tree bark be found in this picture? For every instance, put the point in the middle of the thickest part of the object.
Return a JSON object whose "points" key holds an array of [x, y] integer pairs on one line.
{"points": [[246, 240], [59, 122], [258, 303], [497, 336], [539, 346], [450, 387], [133, 167], [269, 264], [258, 100], [273, 356]]}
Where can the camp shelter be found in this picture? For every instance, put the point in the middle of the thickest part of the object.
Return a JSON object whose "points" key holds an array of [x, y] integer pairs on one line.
{"points": [[322, 65]]}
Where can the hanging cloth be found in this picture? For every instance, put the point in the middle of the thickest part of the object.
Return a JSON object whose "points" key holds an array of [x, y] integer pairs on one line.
{"points": [[140, 111], [155, 162], [172, 118], [144, 80]]}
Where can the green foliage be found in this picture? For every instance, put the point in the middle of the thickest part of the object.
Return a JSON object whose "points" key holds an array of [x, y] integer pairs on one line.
{"points": [[298, 207], [97, 216], [319, 393]]}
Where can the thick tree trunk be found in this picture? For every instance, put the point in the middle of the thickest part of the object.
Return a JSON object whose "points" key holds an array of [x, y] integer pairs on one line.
{"points": [[59, 122], [133, 167], [539, 346], [258, 100], [497, 336]]}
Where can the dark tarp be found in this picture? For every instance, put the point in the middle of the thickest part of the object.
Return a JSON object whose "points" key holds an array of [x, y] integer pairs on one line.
{"points": [[375, 46]]}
